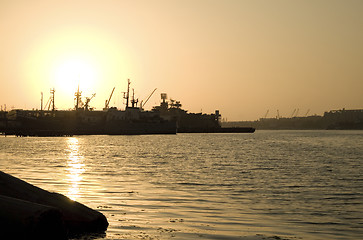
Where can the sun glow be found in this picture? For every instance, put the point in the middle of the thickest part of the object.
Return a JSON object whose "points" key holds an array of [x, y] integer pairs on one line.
{"points": [[73, 72], [70, 57], [75, 168]]}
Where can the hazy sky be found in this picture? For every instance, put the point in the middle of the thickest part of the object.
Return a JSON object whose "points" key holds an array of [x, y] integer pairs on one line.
{"points": [[241, 57]]}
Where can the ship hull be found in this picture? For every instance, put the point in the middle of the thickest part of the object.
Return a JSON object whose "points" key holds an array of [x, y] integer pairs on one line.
{"points": [[69, 123], [140, 128], [217, 130]]}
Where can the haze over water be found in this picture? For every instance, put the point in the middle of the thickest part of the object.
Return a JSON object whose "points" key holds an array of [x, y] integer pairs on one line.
{"points": [[289, 184]]}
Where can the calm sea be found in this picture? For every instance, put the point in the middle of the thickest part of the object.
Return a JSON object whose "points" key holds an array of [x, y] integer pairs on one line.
{"points": [[270, 184]]}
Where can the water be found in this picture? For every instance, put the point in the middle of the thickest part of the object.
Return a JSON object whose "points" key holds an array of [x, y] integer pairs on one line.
{"points": [[270, 184]]}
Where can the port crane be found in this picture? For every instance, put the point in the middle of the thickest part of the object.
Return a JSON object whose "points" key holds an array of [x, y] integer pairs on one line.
{"points": [[79, 104], [293, 112], [86, 105], [297, 112], [268, 110], [307, 112], [147, 99], [107, 103], [50, 102]]}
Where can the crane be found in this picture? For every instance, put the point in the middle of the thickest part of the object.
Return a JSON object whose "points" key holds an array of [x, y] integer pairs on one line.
{"points": [[107, 103], [297, 112], [50, 102], [88, 100], [41, 102], [307, 112], [266, 113], [46, 104], [147, 99], [292, 114]]}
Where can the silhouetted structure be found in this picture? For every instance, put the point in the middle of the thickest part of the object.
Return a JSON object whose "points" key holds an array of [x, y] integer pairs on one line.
{"points": [[194, 122], [83, 120], [334, 119], [29, 212]]}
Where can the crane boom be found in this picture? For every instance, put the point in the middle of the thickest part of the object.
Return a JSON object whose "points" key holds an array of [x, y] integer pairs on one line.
{"points": [[266, 113], [148, 98], [297, 112], [293, 112], [88, 100], [108, 101], [307, 112]]}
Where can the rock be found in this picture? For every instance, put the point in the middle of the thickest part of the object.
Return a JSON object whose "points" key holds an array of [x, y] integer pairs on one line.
{"points": [[26, 220], [77, 217]]}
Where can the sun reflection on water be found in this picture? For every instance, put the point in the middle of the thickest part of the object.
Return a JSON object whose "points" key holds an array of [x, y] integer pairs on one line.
{"points": [[75, 168]]}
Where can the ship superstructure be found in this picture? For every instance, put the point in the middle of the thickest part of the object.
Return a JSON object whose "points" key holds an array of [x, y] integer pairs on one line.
{"points": [[194, 122]]}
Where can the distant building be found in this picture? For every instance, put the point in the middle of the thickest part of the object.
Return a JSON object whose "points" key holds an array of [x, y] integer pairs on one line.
{"points": [[344, 119], [334, 119]]}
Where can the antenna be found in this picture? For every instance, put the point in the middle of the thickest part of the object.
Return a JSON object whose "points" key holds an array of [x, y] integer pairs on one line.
{"points": [[78, 95], [52, 91], [127, 93], [133, 101], [41, 101]]}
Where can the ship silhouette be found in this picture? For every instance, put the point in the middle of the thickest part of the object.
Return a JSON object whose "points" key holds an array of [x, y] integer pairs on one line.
{"points": [[168, 118]]}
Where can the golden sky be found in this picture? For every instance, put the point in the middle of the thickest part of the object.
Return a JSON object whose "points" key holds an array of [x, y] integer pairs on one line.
{"points": [[241, 57]]}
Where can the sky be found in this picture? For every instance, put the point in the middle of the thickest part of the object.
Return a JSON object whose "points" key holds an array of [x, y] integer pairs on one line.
{"points": [[240, 57]]}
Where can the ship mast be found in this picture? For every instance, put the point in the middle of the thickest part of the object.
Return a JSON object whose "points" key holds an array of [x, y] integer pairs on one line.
{"points": [[127, 96], [52, 91], [133, 101], [78, 98], [127, 93], [41, 101]]}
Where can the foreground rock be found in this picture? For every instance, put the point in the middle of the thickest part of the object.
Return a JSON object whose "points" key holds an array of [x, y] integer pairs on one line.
{"points": [[25, 220], [33, 210]]}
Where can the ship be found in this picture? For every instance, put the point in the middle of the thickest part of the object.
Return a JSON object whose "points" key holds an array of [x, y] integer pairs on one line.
{"points": [[83, 120], [167, 118], [194, 122]]}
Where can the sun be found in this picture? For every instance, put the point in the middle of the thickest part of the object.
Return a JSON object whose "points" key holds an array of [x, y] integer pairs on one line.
{"points": [[69, 57], [72, 72]]}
